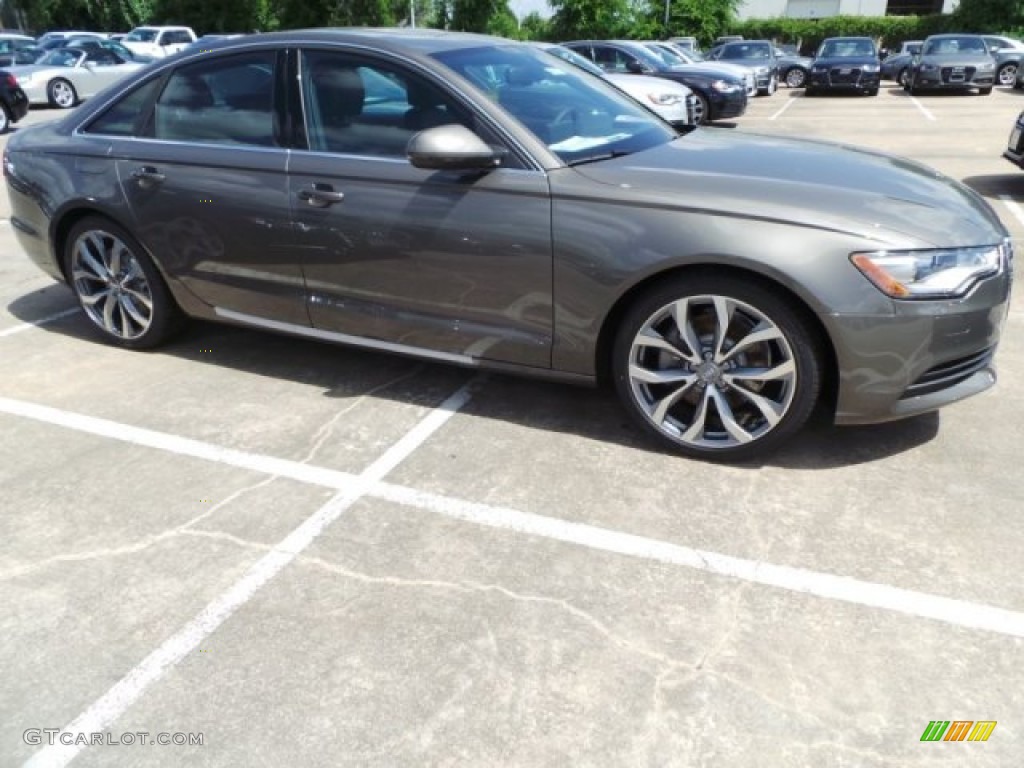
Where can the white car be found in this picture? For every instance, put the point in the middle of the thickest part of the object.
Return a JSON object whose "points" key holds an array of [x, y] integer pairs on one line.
{"points": [[65, 76], [673, 102], [158, 42]]}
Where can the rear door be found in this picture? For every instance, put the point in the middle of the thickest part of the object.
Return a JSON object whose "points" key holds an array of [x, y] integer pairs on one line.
{"points": [[205, 181]]}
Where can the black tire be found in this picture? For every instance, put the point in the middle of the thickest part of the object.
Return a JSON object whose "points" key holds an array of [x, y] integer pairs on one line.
{"points": [[871, 92], [5, 119], [795, 77], [704, 400], [810, 92], [903, 78], [61, 93], [985, 91], [702, 112], [119, 288]]}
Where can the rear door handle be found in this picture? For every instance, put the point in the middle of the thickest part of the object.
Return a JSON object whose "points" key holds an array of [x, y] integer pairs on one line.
{"points": [[147, 175], [321, 195]]}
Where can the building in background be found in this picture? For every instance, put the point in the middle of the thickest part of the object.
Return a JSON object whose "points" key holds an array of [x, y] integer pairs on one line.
{"points": [[817, 9]]}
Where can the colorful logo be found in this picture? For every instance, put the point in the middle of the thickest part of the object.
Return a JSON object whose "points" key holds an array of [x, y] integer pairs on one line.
{"points": [[958, 730]]}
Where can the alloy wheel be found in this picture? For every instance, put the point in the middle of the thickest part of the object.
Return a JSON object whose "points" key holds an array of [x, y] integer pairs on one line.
{"points": [[796, 78], [111, 285], [1007, 75], [712, 372]]}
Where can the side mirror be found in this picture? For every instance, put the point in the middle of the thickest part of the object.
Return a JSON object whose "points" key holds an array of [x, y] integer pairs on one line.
{"points": [[635, 67], [452, 147]]}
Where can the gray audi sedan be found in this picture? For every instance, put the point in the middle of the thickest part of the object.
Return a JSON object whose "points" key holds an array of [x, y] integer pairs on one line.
{"points": [[952, 62], [471, 200]]}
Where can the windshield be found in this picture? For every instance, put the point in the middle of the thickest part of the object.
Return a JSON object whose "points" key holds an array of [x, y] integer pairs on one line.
{"points": [[945, 45], [846, 49], [747, 51], [567, 54], [141, 35], [668, 58], [580, 118], [61, 57]]}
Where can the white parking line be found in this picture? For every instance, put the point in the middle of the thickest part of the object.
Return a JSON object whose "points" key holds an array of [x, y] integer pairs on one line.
{"points": [[959, 613], [789, 103], [37, 323], [109, 707], [1013, 207], [924, 110]]}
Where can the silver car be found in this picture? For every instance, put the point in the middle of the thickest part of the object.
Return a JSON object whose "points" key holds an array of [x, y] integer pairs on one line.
{"points": [[470, 200], [65, 76]]}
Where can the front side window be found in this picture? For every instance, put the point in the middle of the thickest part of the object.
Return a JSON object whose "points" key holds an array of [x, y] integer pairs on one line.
{"points": [[141, 35], [580, 118], [227, 100], [357, 106], [62, 57]]}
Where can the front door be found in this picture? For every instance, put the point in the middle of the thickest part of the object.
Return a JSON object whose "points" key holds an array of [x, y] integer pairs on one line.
{"points": [[452, 265]]}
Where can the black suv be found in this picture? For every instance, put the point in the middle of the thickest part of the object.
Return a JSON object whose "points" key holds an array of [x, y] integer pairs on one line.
{"points": [[13, 101], [845, 64]]}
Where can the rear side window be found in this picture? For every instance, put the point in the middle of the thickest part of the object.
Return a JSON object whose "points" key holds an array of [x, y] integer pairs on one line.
{"points": [[126, 116], [227, 100]]}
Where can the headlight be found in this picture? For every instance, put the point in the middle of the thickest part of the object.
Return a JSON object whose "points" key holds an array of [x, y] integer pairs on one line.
{"points": [[928, 68], [819, 70], [665, 99], [870, 68], [986, 66], [722, 86], [762, 70], [931, 274]]}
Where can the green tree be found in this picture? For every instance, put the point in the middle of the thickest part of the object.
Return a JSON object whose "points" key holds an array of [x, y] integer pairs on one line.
{"points": [[579, 19], [989, 15], [703, 19], [535, 27]]}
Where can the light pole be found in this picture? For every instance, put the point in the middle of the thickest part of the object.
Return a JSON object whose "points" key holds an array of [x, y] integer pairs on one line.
{"points": [[668, 4]]}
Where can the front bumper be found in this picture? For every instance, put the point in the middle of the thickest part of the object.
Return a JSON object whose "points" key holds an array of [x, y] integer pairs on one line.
{"points": [[723, 106], [949, 78], [35, 91], [844, 79], [936, 353]]}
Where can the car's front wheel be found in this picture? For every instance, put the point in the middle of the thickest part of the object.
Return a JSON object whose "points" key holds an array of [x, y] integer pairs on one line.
{"points": [[903, 78], [118, 286], [985, 91], [62, 93], [701, 110], [718, 367]]}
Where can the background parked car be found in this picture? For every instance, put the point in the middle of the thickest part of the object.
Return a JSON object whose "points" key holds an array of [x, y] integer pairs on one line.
{"points": [[13, 101], [896, 66], [159, 42], [722, 95], [65, 76], [113, 46], [683, 56], [52, 39], [673, 102], [953, 62], [757, 55], [10, 44], [1015, 145], [1008, 54], [793, 68], [845, 64]]}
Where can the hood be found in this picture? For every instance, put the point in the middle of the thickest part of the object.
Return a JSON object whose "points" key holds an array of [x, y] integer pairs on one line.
{"points": [[814, 184], [710, 71]]}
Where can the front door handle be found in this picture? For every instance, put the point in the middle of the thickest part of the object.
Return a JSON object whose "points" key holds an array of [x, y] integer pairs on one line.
{"points": [[147, 176], [321, 195]]}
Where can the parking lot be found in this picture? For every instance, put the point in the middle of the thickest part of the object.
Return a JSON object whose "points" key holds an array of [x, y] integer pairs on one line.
{"points": [[311, 555]]}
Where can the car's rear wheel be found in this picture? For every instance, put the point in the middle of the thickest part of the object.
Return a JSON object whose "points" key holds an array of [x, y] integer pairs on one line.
{"points": [[701, 110], [1007, 74], [796, 77], [118, 286], [903, 78], [718, 367], [5, 119], [62, 93]]}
